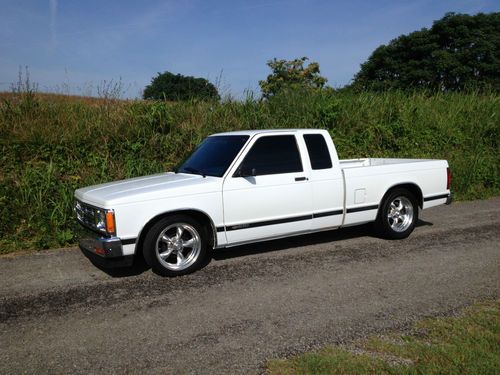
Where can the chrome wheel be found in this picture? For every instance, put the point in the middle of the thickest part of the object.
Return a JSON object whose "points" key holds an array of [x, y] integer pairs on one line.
{"points": [[400, 214], [178, 246]]}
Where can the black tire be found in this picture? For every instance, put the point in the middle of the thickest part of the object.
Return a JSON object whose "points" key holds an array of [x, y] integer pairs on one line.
{"points": [[194, 257], [391, 225]]}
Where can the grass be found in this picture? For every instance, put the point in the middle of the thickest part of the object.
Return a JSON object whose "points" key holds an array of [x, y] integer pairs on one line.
{"points": [[51, 145], [468, 344]]}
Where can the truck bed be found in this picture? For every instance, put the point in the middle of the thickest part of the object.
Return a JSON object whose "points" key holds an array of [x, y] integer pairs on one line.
{"points": [[367, 180], [372, 162]]}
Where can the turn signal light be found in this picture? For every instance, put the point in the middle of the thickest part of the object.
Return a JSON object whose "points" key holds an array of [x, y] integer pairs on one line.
{"points": [[100, 251], [110, 222]]}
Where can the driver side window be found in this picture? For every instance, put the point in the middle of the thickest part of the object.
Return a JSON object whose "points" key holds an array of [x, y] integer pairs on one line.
{"points": [[272, 155]]}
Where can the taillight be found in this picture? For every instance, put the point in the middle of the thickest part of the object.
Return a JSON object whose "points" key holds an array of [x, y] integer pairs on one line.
{"points": [[448, 178]]}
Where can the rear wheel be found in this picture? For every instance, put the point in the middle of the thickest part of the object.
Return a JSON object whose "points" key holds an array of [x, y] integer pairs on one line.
{"points": [[176, 245], [398, 215]]}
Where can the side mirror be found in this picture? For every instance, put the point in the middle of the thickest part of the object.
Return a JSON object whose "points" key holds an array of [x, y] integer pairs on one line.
{"points": [[245, 171]]}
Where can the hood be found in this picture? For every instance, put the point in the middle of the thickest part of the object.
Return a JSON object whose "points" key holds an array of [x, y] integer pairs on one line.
{"points": [[163, 185]]}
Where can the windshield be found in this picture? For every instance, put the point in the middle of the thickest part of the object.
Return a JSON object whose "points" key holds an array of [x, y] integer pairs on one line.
{"points": [[214, 155]]}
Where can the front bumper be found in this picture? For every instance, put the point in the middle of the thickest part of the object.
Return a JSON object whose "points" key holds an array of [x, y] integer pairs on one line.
{"points": [[104, 251]]}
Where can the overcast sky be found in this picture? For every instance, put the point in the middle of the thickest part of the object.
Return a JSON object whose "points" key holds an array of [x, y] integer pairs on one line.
{"points": [[76, 44]]}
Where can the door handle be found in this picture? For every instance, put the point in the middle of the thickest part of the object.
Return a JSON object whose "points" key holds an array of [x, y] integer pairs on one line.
{"points": [[301, 178]]}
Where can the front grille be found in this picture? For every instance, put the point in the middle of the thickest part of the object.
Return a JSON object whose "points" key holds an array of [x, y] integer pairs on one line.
{"points": [[87, 215]]}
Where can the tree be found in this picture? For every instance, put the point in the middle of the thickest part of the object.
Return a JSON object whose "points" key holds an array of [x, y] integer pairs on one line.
{"points": [[291, 74], [459, 51], [169, 86]]}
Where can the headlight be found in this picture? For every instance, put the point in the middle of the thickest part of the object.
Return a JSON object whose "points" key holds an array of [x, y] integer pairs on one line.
{"points": [[99, 219]]}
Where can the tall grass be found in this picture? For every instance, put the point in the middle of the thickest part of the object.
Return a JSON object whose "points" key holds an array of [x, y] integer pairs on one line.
{"points": [[51, 145]]}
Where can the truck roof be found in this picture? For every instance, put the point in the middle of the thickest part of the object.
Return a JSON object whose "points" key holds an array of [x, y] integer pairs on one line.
{"points": [[260, 131]]}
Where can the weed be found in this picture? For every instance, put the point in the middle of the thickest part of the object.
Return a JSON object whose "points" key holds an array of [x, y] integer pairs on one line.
{"points": [[51, 145]]}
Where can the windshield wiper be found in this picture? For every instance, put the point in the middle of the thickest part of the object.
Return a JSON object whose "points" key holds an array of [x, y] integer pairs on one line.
{"points": [[195, 171]]}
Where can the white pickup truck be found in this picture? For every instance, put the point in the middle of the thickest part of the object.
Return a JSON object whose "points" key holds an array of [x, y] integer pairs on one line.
{"points": [[249, 186]]}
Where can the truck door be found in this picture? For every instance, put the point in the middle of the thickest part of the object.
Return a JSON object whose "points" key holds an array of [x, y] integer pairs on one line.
{"points": [[268, 194]]}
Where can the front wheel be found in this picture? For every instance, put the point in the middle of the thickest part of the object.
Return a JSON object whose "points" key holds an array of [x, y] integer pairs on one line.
{"points": [[175, 246], [398, 215]]}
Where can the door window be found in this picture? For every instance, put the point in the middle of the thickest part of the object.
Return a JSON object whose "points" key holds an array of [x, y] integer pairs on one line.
{"points": [[272, 155]]}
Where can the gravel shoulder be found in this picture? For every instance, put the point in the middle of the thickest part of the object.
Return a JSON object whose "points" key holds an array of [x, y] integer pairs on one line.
{"points": [[59, 313]]}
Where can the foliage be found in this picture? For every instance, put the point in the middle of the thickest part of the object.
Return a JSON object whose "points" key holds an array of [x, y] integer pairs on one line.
{"points": [[292, 74], [468, 344], [174, 87], [458, 52], [51, 145]]}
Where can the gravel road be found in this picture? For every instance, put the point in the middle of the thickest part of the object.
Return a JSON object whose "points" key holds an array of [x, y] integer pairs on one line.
{"points": [[60, 314]]}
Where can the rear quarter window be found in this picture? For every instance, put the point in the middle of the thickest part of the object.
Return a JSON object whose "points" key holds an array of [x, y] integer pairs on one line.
{"points": [[319, 155]]}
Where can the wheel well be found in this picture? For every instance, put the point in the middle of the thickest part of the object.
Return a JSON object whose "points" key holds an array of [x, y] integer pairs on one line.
{"points": [[203, 218], [412, 188]]}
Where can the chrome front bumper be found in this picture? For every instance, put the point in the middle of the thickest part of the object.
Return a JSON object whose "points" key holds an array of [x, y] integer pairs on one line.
{"points": [[105, 251], [104, 247]]}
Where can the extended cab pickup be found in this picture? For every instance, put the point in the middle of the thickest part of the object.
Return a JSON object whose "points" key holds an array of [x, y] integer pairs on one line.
{"points": [[249, 186]]}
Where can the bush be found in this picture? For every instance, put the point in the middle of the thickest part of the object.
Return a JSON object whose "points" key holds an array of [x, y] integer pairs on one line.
{"points": [[290, 76], [174, 87]]}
